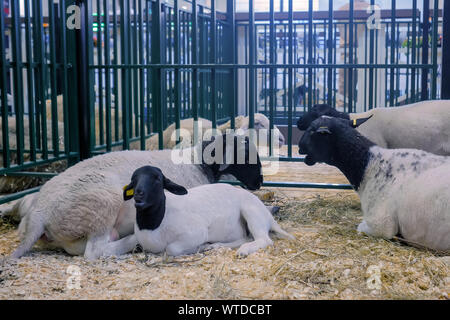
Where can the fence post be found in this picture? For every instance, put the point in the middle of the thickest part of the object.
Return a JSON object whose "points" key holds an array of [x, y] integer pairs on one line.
{"points": [[425, 46], [72, 89], [83, 45], [445, 86]]}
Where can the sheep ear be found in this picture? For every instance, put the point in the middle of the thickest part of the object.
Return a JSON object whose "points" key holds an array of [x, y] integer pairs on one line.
{"points": [[355, 123], [128, 192], [323, 130], [174, 188]]}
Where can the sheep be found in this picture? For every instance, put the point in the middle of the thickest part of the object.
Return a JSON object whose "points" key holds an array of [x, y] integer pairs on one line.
{"points": [[179, 222], [241, 122], [424, 125], [80, 208], [402, 191]]}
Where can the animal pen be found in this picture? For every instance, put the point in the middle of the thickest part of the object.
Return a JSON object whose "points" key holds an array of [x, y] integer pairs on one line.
{"points": [[80, 78]]}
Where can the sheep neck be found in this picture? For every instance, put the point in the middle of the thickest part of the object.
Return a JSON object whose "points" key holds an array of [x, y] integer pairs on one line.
{"points": [[151, 218], [352, 156]]}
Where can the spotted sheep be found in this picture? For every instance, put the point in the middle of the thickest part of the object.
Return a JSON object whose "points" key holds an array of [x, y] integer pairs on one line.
{"points": [[424, 125], [403, 191]]}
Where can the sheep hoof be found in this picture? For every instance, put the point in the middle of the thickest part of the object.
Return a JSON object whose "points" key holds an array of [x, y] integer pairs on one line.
{"points": [[274, 210], [363, 228]]}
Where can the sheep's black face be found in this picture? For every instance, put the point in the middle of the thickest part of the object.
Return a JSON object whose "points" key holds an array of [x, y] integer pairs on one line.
{"points": [[317, 142], [316, 112], [147, 187], [246, 166]]}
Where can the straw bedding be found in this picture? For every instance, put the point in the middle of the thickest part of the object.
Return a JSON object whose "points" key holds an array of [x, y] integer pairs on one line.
{"points": [[328, 260]]}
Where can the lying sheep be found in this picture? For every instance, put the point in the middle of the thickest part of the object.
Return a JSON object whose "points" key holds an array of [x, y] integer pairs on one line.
{"points": [[424, 125], [241, 122], [402, 191], [180, 222], [82, 207]]}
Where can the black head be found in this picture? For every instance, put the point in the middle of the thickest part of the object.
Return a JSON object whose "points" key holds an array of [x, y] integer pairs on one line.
{"points": [[147, 187], [320, 141], [316, 112], [239, 158]]}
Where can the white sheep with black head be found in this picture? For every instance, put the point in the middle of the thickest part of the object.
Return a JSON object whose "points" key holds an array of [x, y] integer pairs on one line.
{"points": [[177, 221], [403, 191], [423, 125]]}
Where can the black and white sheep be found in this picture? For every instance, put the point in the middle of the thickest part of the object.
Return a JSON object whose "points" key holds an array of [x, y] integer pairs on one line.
{"points": [[179, 222], [424, 125], [82, 209], [402, 191]]}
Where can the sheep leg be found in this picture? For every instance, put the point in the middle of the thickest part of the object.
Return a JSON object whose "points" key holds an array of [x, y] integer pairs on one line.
{"points": [[216, 245], [98, 246], [183, 247], [382, 227], [120, 247], [259, 227]]}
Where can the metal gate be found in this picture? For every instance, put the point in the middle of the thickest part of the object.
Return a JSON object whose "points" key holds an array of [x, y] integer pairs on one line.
{"points": [[80, 78]]}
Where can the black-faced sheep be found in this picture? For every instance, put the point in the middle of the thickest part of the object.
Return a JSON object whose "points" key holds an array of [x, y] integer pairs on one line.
{"points": [[180, 222], [402, 191], [424, 125]]}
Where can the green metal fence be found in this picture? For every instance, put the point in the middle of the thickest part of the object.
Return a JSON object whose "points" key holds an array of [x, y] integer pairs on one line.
{"points": [[133, 67]]}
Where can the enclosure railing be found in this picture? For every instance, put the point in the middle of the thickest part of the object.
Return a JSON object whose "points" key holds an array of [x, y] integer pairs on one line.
{"points": [[80, 78]]}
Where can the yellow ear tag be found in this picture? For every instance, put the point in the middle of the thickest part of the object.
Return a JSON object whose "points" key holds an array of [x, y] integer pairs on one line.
{"points": [[130, 192], [354, 122]]}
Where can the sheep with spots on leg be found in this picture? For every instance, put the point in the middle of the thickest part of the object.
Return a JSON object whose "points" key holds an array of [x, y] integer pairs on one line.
{"points": [[403, 191], [82, 209], [423, 125], [181, 222]]}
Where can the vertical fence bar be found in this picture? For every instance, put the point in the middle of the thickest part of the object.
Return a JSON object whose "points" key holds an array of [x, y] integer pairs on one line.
{"points": [[371, 60], [425, 46], [291, 82], [445, 87], [65, 105], [85, 80], [17, 79], [115, 73], [392, 60], [177, 60], [194, 56], [213, 61], [330, 43], [106, 9], [351, 53], [101, 125], [126, 77], [135, 86], [435, 50], [310, 54], [251, 63], [414, 52], [3, 87], [141, 78], [157, 72], [53, 80], [231, 8], [272, 74], [30, 82]]}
